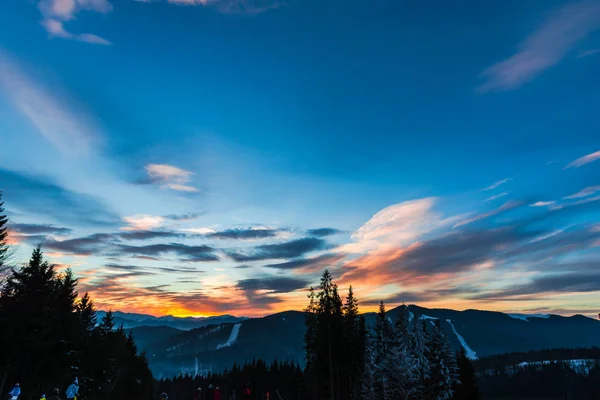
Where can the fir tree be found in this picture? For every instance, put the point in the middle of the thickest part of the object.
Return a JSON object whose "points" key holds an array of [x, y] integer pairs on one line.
{"points": [[382, 348], [3, 235], [443, 366], [465, 387]]}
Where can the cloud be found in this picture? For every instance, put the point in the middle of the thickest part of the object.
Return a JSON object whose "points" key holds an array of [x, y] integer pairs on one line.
{"points": [[149, 235], [575, 282], [57, 119], [496, 184], [588, 191], [323, 232], [588, 53], [402, 297], [143, 222], [244, 234], [199, 253], [319, 263], [543, 203], [36, 229], [293, 249], [584, 160], [56, 12], [509, 205], [39, 196], [492, 198], [183, 217], [273, 284], [233, 6], [168, 176], [396, 226], [93, 244], [545, 47]]}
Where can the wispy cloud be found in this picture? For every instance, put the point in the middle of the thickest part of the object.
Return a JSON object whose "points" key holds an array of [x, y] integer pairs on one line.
{"points": [[545, 47], [588, 53], [584, 160], [56, 12], [543, 203], [496, 184], [233, 6], [492, 198], [509, 205], [52, 114], [588, 191], [171, 177]]}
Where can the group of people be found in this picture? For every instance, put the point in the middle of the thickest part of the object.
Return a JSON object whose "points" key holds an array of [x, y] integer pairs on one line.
{"points": [[70, 394], [214, 393]]}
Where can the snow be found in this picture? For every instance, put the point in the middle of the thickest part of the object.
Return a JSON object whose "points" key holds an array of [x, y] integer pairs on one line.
{"points": [[470, 353], [426, 317], [524, 317], [232, 337], [580, 366], [410, 316]]}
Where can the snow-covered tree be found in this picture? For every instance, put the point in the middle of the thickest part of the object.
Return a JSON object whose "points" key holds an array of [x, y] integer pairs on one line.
{"points": [[442, 365]]}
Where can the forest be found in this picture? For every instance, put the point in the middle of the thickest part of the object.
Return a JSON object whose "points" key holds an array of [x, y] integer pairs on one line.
{"points": [[51, 336]]}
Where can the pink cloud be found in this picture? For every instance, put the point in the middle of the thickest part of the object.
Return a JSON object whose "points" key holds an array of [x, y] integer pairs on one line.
{"points": [[584, 160], [545, 47]]}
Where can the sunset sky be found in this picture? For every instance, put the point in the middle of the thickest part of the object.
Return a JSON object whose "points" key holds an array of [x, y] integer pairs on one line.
{"points": [[202, 157]]}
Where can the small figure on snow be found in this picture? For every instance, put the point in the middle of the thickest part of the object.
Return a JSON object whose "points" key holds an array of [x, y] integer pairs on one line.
{"points": [[43, 397], [248, 391], [73, 390], [217, 395], [233, 395], [210, 393], [15, 392], [198, 394], [164, 396]]}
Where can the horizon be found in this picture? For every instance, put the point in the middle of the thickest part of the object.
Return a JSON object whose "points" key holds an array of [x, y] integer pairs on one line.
{"points": [[206, 158]]}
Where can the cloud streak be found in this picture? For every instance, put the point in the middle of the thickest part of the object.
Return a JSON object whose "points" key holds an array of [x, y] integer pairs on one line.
{"points": [[584, 160], [55, 117], [545, 47]]}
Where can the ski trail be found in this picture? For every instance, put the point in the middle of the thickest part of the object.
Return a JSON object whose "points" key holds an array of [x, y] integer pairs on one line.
{"points": [[232, 337], [470, 353]]}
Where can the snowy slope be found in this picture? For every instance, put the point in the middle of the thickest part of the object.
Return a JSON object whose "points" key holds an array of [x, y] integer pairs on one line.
{"points": [[232, 337], [524, 317], [470, 353]]}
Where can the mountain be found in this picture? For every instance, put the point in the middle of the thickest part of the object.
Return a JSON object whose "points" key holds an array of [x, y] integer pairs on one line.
{"points": [[281, 336], [130, 321]]}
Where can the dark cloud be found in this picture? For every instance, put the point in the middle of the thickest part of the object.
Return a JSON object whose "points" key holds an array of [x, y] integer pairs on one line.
{"points": [[244, 234], [187, 253], [88, 245], [39, 229], [293, 249], [273, 284], [323, 232], [38, 195], [564, 283], [183, 217], [405, 297], [321, 262], [149, 235]]}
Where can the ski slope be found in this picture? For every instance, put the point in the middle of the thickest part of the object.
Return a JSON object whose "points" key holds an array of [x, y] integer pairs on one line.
{"points": [[470, 353], [235, 331], [524, 317]]}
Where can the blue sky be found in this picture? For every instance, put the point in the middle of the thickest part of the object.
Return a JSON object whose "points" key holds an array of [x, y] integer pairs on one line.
{"points": [[198, 157]]}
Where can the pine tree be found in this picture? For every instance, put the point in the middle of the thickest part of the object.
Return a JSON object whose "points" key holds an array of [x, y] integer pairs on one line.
{"points": [[465, 387], [384, 338], [368, 371], [443, 366], [3, 235], [419, 351], [353, 343]]}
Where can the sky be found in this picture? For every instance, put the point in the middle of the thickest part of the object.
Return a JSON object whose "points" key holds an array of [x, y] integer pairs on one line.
{"points": [[203, 157]]}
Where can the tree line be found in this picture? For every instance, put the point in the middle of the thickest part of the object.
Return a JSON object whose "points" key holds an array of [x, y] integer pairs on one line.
{"points": [[51, 336], [397, 360]]}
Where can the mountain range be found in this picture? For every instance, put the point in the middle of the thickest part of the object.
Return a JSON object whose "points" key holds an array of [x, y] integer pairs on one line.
{"points": [[219, 342]]}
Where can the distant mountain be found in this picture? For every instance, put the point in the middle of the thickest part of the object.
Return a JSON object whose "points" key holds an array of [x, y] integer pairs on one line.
{"points": [[130, 321], [281, 336]]}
